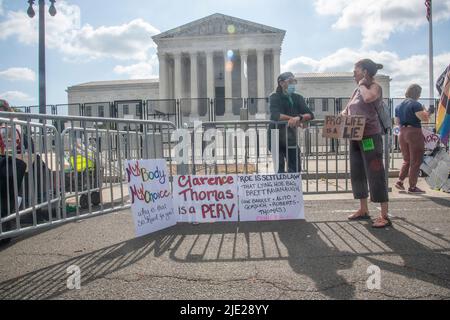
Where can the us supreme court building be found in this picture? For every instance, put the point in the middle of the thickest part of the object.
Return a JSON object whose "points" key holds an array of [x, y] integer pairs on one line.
{"points": [[211, 69]]}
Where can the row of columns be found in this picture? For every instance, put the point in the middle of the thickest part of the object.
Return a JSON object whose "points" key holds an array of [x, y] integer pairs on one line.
{"points": [[163, 74]]}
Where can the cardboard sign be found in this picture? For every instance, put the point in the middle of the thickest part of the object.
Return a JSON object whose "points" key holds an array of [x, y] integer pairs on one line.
{"points": [[151, 199], [270, 197], [206, 198], [344, 127]]}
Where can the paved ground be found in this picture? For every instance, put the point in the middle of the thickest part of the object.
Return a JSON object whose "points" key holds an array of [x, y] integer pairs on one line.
{"points": [[324, 257]]}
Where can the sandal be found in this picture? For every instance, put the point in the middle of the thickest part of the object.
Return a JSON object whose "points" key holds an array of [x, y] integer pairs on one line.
{"points": [[382, 223], [357, 216]]}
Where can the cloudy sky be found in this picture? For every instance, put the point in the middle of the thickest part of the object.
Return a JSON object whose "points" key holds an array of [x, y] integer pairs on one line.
{"points": [[110, 40]]}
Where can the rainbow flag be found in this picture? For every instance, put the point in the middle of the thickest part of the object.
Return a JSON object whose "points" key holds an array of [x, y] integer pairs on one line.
{"points": [[443, 113]]}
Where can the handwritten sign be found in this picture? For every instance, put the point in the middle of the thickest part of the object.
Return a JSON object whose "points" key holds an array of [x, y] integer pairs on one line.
{"points": [[206, 198], [270, 197], [151, 199], [344, 127], [430, 138]]}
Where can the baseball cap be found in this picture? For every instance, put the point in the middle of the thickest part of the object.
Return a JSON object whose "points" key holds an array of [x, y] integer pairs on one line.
{"points": [[285, 75]]}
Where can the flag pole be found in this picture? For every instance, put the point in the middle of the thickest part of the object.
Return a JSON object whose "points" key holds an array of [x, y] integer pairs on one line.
{"points": [[430, 49]]}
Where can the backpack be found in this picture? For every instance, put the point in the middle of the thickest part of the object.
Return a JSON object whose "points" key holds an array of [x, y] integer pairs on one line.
{"points": [[384, 116]]}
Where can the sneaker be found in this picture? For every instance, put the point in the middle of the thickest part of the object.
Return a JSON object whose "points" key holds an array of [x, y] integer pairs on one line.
{"points": [[415, 190], [399, 185]]}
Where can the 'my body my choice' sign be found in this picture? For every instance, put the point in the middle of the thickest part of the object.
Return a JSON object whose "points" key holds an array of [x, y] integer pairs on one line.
{"points": [[151, 199]]}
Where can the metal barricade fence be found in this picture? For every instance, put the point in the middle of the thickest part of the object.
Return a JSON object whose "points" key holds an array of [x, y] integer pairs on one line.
{"points": [[75, 168], [29, 166], [74, 174], [165, 109], [257, 107], [227, 109], [396, 155], [192, 110], [223, 147]]}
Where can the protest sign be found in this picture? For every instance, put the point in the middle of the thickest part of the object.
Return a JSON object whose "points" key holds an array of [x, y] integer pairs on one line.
{"points": [[206, 198], [430, 138], [270, 197], [344, 127], [151, 199]]}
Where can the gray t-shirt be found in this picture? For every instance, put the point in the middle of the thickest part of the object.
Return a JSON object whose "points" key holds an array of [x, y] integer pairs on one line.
{"points": [[357, 106]]}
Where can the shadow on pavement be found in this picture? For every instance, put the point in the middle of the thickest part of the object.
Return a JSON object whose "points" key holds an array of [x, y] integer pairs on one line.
{"points": [[422, 253], [50, 282], [310, 255], [318, 250], [439, 201]]}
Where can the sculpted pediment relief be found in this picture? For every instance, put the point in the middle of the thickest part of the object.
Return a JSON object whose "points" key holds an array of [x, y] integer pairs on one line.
{"points": [[215, 25]]}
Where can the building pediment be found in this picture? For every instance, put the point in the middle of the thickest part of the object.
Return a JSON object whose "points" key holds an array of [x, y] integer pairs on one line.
{"points": [[217, 25]]}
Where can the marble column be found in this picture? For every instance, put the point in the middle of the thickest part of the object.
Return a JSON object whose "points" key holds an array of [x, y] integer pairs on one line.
{"points": [[244, 74], [276, 67], [260, 80], [163, 94], [178, 76], [210, 74], [194, 84], [228, 68]]}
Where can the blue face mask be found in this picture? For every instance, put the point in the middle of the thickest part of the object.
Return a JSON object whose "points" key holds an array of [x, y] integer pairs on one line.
{"points": [[291, 89]]}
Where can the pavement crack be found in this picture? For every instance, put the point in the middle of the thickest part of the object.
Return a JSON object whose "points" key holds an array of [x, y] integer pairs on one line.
{"points": [[43, 254], [142, 276]]}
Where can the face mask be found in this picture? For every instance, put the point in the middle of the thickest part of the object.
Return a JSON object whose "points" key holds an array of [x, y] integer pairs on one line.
{"points": [[291, 89]]}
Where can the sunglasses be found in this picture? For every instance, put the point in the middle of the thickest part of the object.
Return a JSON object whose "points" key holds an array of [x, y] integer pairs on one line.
{"points": [[291, 81]]}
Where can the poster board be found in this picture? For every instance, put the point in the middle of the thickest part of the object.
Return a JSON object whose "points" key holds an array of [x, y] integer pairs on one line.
{"points": [[270, 197], [430, 138], [150, 195], [202, 199], [344, 127]]}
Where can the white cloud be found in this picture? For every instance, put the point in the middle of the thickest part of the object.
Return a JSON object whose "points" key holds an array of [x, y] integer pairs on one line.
{"points": [[17, 24], [128, 41], [379, 19], [65, 33], [18, 74], [16, 97], [142, 70], [403, 72]]}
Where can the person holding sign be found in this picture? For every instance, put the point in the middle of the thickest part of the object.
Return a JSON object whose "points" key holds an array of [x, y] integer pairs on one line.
{"points": [[408, 115], [366, 156], [286, 105]]}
